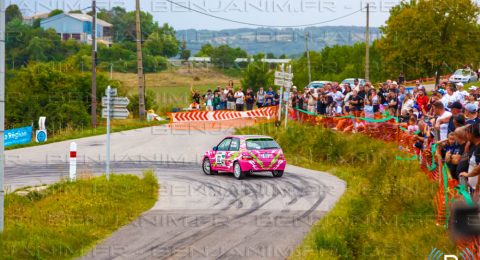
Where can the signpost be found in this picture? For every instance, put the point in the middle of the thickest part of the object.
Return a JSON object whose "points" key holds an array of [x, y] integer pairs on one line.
{"points": [[116, 108], [284, 80]]}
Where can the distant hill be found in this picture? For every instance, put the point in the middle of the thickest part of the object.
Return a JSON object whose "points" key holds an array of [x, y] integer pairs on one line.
{"points": [[278, 41]]}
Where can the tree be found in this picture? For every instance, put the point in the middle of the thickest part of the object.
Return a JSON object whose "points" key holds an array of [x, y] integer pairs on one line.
{"points": [[446, 36], [205, 51], [184, 52], [55, 12], [13, 12], [271, 56], [257, 75]]}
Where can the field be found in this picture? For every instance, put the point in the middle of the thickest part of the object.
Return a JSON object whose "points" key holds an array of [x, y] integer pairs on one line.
{"points": [[67, 219], [171, 89], [387, 211]]}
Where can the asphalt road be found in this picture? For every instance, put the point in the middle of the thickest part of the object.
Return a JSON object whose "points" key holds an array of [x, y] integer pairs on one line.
{"points": [[197, 216]]}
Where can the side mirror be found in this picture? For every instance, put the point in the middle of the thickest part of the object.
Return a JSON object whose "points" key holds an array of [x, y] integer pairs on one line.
{"points": [[215, 148]]}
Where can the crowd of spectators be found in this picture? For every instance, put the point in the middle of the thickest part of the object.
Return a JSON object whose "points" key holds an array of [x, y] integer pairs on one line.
{"points": [[234, 99], [446, 116]]}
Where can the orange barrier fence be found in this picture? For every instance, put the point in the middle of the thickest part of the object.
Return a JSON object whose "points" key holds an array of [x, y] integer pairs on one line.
{"points": [[210, 116], [431, 164]]}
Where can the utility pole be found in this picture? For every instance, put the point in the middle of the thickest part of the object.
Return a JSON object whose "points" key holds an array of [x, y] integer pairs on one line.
{"points": [[367, 44], [2, 112], [307, 34], [141, 77], [94, 65]]}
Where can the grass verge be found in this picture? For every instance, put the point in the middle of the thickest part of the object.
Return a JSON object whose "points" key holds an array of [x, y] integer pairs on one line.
{"points": [[387, 211], [70, 133], [67, 219]]}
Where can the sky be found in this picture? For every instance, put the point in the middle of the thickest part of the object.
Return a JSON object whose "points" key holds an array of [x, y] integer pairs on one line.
{"points": [[261, 12]]}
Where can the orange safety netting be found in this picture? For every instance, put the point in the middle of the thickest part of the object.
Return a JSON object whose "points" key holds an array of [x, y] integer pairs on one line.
{"points": [[391, 131]]}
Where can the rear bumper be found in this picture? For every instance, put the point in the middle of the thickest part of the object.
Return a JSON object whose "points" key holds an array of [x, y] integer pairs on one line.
{"points": [[251, 165]]}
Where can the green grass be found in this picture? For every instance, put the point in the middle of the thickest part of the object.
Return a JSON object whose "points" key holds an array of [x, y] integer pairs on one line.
{"points": [[70, 133], [387, 210], [69, 218]]}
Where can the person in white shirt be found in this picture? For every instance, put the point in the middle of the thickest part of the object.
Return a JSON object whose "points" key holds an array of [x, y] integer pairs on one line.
{"points": [[338, 98], [356, 85], [408, 104], [450, 97], [240, 99], [462, 93], [443, 116]]}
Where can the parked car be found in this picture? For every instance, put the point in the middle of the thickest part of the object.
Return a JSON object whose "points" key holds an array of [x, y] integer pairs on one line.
{"points": [[351, 81], [463, 76], [245, 154], [318, 84]]}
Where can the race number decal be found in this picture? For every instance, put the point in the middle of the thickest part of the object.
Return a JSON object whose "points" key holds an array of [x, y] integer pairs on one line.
{"points": [[220, 158]]}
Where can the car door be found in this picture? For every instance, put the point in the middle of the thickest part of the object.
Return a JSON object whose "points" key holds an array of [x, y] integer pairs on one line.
{"points": [[232, 154], [221, 153]]}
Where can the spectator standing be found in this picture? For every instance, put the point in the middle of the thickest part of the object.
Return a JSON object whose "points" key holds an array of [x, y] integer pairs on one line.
{"points": [[250, 99], [239, 100], [443, 117], [223, 99], [269, 97], [261, 98], [208, 98], [392, 101], [231, 100], [216, 101], [347, 93], [375, 101], [422, 101], [407, 106], [471, 114], [338, 98]]}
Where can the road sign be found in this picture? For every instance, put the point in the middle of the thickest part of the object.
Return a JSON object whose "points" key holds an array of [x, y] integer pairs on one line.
{"points": [[279, 82], [116, 113], [283, 75], [116, 102], [113, 92], [284, 83]]}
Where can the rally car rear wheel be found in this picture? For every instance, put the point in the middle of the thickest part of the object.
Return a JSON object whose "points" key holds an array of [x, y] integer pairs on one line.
{"points": [[237, 171], [207, 167]]}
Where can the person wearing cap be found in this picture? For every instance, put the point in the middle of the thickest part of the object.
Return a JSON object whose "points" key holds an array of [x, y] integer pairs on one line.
{"points": [[456, 108], [471, 114]]}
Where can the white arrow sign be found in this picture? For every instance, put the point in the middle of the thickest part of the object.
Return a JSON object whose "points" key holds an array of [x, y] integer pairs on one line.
{"points": [[116, 102], [117, 113], [283, 75]]}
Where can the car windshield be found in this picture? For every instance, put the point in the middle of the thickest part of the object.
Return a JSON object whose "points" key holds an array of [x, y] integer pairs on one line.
{"points": [[262, 144], [462, 73]]}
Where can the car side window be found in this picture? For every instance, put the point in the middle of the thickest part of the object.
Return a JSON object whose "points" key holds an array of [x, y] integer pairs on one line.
{"points": [[235, 145], [224, 145]]}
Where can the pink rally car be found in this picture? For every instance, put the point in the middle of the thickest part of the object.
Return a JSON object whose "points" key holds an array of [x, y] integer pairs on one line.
{"points": [[245, 154]]}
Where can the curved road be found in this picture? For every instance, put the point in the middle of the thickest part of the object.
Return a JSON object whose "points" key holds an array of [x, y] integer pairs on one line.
{"points": [[197, 216]]}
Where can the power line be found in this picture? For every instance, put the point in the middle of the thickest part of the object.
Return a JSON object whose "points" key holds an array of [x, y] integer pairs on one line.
{"points": [[264, 25]]}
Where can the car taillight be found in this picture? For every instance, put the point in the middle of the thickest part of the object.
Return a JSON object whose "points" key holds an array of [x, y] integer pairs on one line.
{"points": [[281, 157], [247, 157]]}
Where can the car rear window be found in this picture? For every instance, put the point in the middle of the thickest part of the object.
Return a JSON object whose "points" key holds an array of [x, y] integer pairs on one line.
{"points": [[261, 144]]}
